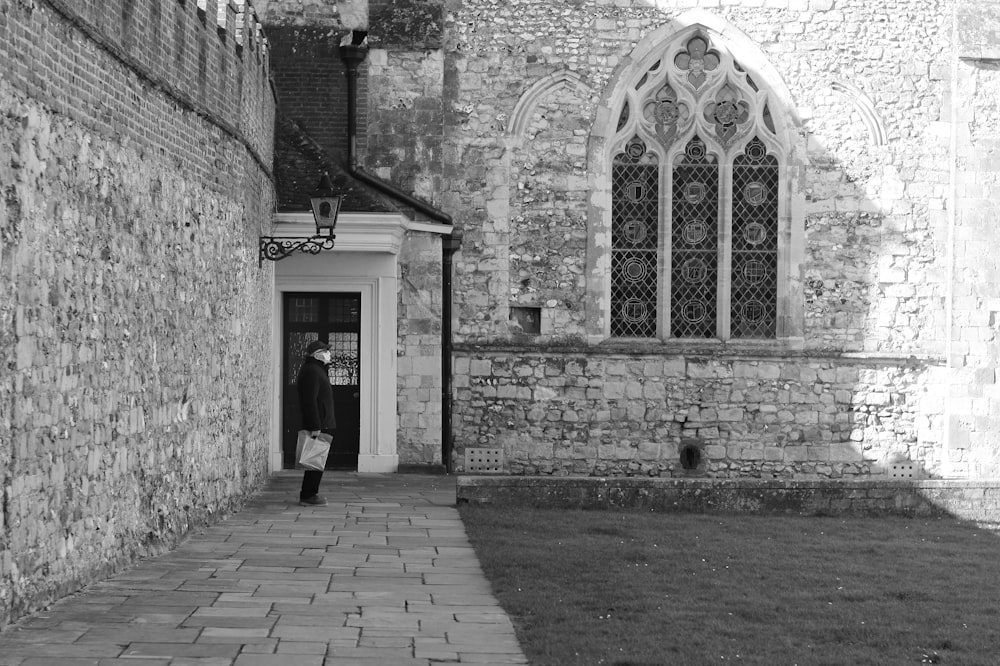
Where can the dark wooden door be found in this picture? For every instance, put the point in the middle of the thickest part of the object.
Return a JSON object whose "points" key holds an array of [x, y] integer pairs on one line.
{"points": [[334, 318]]}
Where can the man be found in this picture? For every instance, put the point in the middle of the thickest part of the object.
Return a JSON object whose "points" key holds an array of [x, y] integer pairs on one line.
{"points": [[316, 403]]}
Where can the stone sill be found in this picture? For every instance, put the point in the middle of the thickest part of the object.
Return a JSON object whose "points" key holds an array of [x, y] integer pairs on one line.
{"points": [[986, 57], [699, 350], [977, 501], [499, 480]]}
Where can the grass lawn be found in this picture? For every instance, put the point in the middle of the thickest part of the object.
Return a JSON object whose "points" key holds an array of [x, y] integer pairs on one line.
{"points": [[640, 588]]}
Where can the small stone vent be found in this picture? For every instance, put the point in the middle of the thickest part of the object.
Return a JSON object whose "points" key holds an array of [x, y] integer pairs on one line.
{"points": [[906, 470], [484, 461]]}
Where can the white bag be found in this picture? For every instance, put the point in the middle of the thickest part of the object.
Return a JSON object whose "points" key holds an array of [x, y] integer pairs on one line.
{"points": [[311, 452]]}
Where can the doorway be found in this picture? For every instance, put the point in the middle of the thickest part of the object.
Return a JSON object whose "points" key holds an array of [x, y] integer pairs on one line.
{"points": [[335, 318]]}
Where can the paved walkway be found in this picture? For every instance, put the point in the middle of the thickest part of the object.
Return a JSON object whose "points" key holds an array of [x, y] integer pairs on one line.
{"points": [[384, 575]]}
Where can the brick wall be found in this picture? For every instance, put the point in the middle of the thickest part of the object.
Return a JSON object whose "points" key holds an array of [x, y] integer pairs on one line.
{"points": [[135, 152], [312, 108]]}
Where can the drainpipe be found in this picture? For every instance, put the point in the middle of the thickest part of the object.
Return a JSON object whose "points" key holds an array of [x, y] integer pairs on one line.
{"points": [[450, 245]]}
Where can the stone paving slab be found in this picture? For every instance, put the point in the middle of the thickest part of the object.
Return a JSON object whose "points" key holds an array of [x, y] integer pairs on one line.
{"points": [[383, 575]]}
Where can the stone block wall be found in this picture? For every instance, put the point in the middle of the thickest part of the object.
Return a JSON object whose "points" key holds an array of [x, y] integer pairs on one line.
{"points": [[405, 118], [973, 416], [418, 438], [584, 413], [312, 13], [135, 151], [405, 104]]}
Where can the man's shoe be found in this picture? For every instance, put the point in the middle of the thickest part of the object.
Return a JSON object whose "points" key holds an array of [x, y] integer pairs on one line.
{"points": [[315, 500]]}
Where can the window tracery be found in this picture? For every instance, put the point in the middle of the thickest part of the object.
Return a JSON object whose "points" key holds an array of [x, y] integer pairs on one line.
{"points": [[698, 167]]}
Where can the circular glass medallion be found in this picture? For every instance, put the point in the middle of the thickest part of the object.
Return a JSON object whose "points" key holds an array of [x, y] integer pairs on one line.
{"points": [[755, 193], [634, 311], [634, 270], [727, 112], [755, 233], [694, 232], [753, 312], [755, 150], [694, 192], [694, 270], [754, 272], [694, 311], [634, 231], [635, 149], [666, 113], [695, 149]]}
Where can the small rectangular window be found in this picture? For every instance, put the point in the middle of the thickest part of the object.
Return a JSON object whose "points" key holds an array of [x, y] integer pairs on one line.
{"points": [[527, 320]]}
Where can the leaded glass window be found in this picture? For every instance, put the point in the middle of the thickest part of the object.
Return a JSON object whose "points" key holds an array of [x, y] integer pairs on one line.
{"points": [[635, 239], [694, 259], [755, 243], [696, 198]]}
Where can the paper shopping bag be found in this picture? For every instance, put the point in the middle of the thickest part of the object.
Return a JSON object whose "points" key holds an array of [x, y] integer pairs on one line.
{"points": [[311, 452]]}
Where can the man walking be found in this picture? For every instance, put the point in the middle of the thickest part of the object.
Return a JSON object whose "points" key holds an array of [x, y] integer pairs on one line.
{"points": [[316, 403]]}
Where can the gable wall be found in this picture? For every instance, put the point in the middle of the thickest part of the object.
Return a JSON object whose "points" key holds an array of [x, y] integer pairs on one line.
{"points": [[865, 385]]}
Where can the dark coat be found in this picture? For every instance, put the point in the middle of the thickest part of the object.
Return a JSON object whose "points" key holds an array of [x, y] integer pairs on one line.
{"points": [[315, 396]]}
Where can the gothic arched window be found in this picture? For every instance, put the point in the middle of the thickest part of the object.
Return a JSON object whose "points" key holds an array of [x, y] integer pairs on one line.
{"points": [[696, 187]]}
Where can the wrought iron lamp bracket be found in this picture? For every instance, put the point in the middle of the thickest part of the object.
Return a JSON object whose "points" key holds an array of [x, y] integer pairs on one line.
{"points": [[276, 248]]}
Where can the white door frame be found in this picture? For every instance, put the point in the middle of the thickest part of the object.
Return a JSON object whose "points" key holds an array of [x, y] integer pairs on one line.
{"points": [[377, 436]]}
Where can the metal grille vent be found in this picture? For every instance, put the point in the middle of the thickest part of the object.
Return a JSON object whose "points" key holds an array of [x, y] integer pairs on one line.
{"points": [[906, 470], [484, 461]]}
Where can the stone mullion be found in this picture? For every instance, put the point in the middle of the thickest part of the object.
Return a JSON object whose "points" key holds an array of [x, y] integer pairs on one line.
{"points": [[666, 247], [724, 300]]}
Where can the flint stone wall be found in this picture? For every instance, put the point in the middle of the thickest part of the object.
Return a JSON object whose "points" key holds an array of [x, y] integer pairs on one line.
{"points": [[534, 185], [884, 269], [134, 319]]}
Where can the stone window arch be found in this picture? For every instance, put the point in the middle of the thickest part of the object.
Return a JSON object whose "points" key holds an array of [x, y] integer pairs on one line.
{"points": [[695, 199]]}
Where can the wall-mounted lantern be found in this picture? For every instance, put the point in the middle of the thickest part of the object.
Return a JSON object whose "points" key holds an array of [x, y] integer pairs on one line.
{"points": [[325, 205]]}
